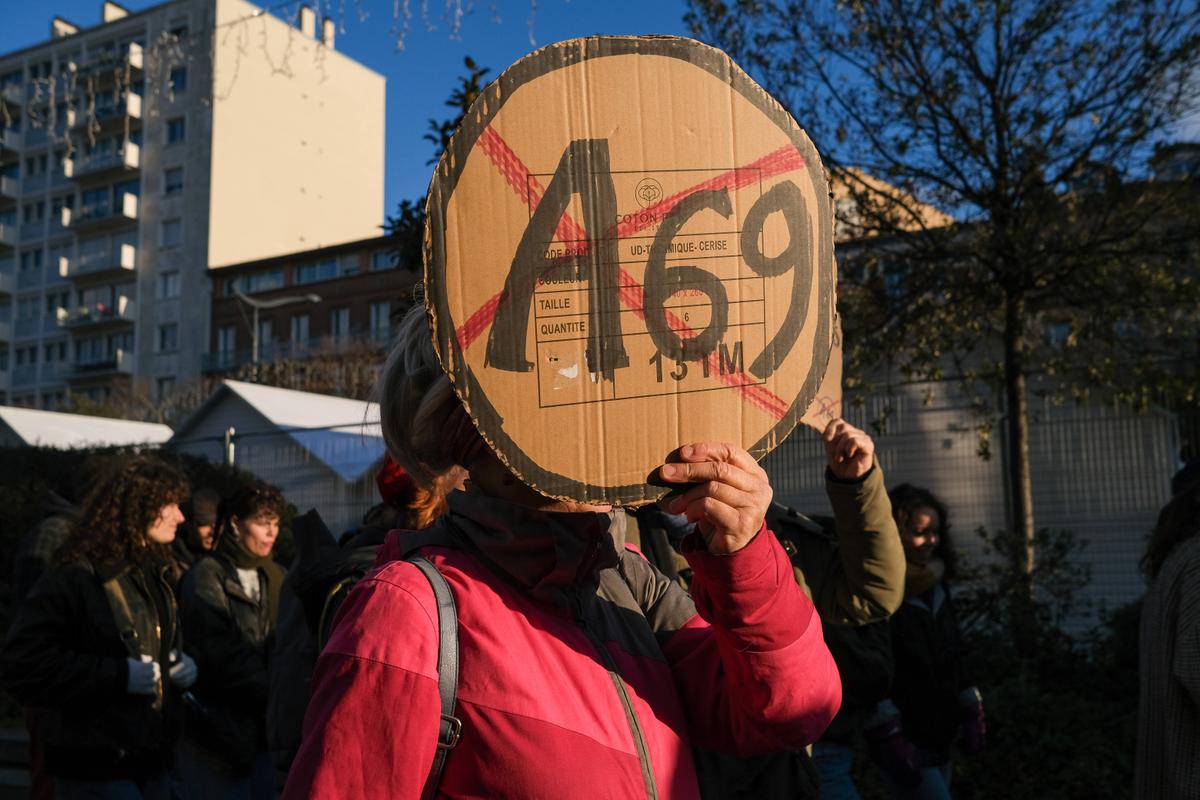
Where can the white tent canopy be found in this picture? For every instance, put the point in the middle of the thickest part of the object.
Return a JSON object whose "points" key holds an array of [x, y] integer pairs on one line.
{"points": [[341, 433], [35, 428]]}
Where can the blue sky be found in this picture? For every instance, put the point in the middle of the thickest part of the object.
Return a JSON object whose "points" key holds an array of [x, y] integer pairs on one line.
{"points": [[422, 75]]}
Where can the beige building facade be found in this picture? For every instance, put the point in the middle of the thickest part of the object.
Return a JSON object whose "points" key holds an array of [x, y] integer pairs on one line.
{"points": [[140, 152]]}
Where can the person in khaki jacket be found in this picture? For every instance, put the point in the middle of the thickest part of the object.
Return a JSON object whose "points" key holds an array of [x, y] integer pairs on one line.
{"points": [[853, 569]]}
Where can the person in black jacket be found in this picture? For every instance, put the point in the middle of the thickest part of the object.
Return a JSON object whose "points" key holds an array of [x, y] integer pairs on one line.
{"points": [[230, 605], [96, 645], [933, 700]]}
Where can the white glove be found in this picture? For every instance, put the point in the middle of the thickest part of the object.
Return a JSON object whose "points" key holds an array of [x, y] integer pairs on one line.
{"points": [[183, 672], [144, 676]]}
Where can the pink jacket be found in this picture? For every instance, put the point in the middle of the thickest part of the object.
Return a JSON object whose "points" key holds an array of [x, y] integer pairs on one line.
{"points": [[584, 672]]}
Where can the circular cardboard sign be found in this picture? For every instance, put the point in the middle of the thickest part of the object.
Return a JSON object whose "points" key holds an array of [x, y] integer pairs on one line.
{"points": [[629, 248]]}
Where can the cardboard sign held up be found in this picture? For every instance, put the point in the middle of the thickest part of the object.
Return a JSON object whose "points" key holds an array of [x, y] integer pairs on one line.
{"points": [[629, 248]]}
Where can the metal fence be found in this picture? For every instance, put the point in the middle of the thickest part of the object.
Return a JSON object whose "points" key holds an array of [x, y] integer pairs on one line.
{"points": [[1101, 472], [329, 468]]}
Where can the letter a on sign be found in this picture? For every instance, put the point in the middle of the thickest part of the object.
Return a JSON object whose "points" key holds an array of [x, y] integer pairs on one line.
{"points": [[629, 248]]}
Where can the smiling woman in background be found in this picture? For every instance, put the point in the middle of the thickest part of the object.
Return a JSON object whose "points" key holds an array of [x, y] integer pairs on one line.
{"points": [[96, 643], [230, 603], [933, 701]]}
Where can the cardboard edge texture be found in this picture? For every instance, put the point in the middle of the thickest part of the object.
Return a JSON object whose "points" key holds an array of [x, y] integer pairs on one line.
{"points": [[486, 419]]}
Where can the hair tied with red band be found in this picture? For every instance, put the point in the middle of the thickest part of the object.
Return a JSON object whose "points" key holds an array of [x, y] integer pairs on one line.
{"points": [[396, 487]]}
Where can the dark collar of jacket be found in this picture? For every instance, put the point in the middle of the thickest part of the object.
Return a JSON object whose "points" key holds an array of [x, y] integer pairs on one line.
{"points": [[549, 555]]}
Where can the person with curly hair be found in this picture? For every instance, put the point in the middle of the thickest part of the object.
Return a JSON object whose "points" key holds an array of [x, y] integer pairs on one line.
{"points": [[933, 701], [96, 645], [230, 603]]}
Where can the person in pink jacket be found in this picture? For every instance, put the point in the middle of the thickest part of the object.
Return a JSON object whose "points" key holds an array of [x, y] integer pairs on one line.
{"points": [[583, 672]]}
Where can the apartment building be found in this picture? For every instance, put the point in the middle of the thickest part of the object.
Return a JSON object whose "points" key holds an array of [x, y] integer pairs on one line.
{"points": [[140, 153], [318, 302]]}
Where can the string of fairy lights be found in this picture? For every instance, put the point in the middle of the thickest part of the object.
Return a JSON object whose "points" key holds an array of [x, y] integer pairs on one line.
{"points": [[72, 103]]}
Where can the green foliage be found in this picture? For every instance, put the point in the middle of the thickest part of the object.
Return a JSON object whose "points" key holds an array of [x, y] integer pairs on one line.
{"points": [[1061, 713]]}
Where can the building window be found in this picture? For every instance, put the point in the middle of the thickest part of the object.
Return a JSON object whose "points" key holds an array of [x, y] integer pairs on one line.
{"points": [[173, 181], [339, 322], [349, 264], [266, 335], [176, 130], [255, 282], [35, 165], [31, 263], [179, 80], [226, 339], [94, 203], [383, 259], [172, 233], [33, 212], [300, 325], [27, 308], [56, 305], [381, 319], [168, 337], [168, 285], [323, 270], [164, 386]]}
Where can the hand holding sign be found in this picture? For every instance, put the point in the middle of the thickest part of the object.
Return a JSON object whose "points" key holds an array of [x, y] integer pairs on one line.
{"points": [[731, 499]]}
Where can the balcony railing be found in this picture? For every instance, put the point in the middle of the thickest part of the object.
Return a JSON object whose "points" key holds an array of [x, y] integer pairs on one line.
{"points": [[24, 375], [102, 214], [8, 281], [8, 234], [119, 258], [127, 159], [119, 362], [11, 140], [229, 360], [123, 310], [6, 330], [103, 61], [33, 230], [26, 327], [29, 278], [9, 187]]}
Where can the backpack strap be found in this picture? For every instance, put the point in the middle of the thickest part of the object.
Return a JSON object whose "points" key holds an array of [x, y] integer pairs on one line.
{"points": [[450, 726]]}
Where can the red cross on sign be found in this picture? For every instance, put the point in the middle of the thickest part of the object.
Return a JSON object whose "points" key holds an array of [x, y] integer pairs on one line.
{"points": [[630, 248]]}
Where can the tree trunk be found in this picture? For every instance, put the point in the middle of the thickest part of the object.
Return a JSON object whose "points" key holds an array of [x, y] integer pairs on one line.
{"points": [[1020, 485]]}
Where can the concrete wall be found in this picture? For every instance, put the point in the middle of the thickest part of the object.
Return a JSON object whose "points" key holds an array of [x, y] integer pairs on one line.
{"points": [[297, 141]]}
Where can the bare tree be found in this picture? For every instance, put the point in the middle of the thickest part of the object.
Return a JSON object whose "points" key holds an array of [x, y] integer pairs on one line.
{"points": [[1027, 122]]}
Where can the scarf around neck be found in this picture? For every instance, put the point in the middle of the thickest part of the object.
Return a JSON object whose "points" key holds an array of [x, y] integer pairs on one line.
{"points": [[231, 550], [919, 579], [549, 555]]}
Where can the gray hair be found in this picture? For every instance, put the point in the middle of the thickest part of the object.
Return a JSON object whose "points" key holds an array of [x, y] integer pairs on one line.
{"points": [[425, 427]]}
